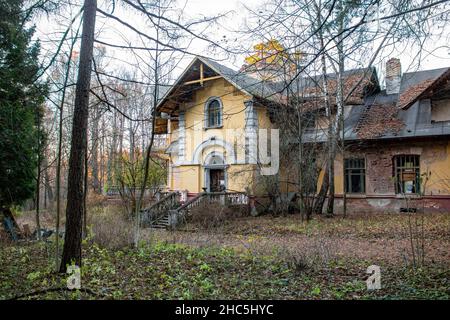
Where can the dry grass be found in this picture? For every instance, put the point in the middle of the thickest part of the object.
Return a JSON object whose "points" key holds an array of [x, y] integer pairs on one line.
{"points": [[212, 216], [242, 258], [376, 238], [110, 227]]}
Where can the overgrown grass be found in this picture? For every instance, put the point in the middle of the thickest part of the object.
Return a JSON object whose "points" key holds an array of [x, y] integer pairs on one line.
{"points": [[171, 271], [110, 227], [390, 226]]}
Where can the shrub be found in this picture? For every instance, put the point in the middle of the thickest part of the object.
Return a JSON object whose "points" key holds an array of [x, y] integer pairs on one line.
{"points": [[110, 227], [213, 215], [95, 199], [318, 254]]}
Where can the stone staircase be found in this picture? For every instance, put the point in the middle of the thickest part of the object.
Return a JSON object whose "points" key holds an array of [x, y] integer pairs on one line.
{"points": [[157, 215], [162, 223], [170, 211]]}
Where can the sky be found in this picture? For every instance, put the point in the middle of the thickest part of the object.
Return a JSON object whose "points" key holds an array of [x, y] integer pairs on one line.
{"points": [[436, 53]]}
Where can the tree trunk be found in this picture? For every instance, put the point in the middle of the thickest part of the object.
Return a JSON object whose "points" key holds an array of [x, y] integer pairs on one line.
{"points": [[341, 102], [328, 179], [47, 184], [38, 179], [318, 206], [85, 192], [74, 211], [330, 203], [38, 200], [59, 159], [111, 162], [94, 153], [150, 146]]}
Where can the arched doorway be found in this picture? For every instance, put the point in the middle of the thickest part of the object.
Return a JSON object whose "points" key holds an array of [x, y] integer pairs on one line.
{"points": [[215, 173]]}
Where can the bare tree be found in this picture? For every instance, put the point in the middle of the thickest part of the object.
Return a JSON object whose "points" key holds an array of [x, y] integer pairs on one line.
{"points": [[74, 213]]}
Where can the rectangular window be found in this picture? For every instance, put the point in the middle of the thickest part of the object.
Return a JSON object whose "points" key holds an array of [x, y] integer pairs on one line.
{"points": [[355, 175], [407, 174]]}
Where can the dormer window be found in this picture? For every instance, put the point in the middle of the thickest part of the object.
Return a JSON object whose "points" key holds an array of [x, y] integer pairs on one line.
{"points": [[213, 113], [440, 110]]}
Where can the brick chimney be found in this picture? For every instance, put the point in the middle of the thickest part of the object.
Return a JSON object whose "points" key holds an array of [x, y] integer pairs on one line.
{"points": [[393, 76]]}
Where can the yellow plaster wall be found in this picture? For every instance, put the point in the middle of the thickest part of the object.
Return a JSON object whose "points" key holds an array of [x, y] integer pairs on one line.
{"points": [[338, 175], [263, 118], [192, 177], [436, 161], [239, 176], [186, 178], [233, 114]]}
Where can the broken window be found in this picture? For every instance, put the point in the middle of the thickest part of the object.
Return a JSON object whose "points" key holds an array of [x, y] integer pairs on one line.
{"points": [[355, 175], [214, 114], [407, 174]]}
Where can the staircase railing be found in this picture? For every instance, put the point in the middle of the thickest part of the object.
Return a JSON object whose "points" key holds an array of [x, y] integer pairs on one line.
{"points": [[228, 198], [179, 215], [158, 210]]}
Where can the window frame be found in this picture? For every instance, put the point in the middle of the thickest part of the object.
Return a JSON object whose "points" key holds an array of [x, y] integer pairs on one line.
{"points": [[399, 169], [207, 118], [349, 173]]}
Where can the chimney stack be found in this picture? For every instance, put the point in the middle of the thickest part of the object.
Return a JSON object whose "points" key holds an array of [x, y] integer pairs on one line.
{"points": [[393, 76]]}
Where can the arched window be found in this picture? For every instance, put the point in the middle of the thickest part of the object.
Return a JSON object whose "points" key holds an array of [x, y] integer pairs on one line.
{"points": [[213, 113]]}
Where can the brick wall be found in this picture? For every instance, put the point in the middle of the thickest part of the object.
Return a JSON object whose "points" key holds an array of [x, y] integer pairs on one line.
{"points": [[380, 186]]}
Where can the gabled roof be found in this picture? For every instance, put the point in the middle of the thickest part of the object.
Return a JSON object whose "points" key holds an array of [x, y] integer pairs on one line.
{"points": [[245, 83], [275, 91], [407, 114], [415, 85], [392, 116], [269, 90]]}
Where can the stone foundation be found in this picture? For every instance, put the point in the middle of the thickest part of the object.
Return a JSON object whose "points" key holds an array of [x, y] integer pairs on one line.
{"points": [[392, 204]]}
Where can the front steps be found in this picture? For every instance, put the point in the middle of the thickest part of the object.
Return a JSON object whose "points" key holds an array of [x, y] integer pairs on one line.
{"points": [[170, 211], [162, 223]]}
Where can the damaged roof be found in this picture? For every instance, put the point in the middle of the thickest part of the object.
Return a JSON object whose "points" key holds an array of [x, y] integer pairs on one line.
{"points": [[370, 113], [416, 84], [402, 115]]}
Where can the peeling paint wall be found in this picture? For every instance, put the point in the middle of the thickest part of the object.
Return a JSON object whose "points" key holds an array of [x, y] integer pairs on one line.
{"points": [[380, 186]]}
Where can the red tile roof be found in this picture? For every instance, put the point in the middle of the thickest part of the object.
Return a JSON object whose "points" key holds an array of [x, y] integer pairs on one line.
{"points": [[377, 120], [411, 94]]}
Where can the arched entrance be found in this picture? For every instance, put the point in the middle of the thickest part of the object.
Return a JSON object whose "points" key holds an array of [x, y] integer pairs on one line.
{"points": [[215, 173]]}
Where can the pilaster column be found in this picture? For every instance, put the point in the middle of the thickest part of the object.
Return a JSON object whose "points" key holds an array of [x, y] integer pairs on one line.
{"points": [[181, 137], [251, 137]]}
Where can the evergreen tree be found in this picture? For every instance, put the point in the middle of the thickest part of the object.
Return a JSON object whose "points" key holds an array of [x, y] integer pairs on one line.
{"points": [[21, 99]]}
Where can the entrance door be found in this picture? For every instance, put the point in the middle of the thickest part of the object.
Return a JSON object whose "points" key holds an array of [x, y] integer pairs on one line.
{"points": [[216, 180]]}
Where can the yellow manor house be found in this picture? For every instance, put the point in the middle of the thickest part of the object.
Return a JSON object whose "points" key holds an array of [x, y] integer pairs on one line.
{"points": [[212, 127], [223, 134]]}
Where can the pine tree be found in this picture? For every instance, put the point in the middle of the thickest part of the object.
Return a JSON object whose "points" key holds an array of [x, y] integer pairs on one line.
{"points": [[21, 99]]}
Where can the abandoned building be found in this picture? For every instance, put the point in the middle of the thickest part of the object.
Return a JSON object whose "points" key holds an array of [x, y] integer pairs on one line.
{"points": [[397, 140]]}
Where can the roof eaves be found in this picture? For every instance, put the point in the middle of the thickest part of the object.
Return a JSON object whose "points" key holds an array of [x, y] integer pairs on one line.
{"points": [[205, 61], [169, 92]]}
